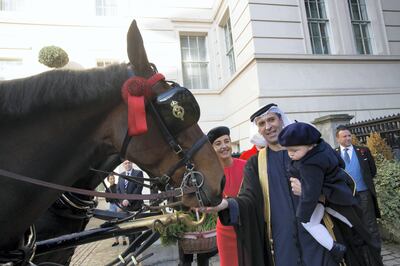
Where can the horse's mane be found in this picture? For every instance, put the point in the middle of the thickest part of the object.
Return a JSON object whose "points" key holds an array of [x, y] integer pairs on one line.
{"points": [[59, 89]]}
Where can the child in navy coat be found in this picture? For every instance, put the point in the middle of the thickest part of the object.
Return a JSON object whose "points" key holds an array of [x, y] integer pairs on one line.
{"points": [[320, 170]]}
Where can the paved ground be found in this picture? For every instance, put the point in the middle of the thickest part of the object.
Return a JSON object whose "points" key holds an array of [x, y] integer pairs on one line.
{"points": [[100, 253], [391, 254]]}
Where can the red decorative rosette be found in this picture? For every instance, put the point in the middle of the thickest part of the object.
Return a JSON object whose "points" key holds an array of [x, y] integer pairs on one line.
{"points": [[134, 92]]}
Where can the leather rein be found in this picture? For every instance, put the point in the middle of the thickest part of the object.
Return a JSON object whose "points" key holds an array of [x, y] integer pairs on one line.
{"points": [[192, 181]]}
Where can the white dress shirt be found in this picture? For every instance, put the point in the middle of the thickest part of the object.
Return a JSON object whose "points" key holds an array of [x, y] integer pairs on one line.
{"points": [[349, 151]]}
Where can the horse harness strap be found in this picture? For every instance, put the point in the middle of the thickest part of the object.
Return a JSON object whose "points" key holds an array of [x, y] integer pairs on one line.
{"points": [[178, 192], [22, 254], [193, 180]]}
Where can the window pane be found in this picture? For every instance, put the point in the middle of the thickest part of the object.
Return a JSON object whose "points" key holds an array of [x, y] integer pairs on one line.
{"points": [[186, 78], [106, 7], [322, 30], [12, 5], [313, 8], [185, 48], [307, 8], [195, 74], [7, 5], [325, 45], [321, 8], [359, 20], [366, 39], [324, 38], [359, 45], [363, 12], [314, 30], [193, 49], [232, 64], [355, 11], [357, 31], [317, 45], [317, 25], [203, 76], [230, 56], [364, 30], [194, 59], [202, 48]]}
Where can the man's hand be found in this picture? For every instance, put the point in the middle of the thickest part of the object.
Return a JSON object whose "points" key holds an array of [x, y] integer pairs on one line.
{"points": [[296, 186], [125, 203], [222, 206]]}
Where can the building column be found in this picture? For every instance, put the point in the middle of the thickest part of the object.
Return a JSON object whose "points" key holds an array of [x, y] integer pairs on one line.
{"points": [[327, 126]]}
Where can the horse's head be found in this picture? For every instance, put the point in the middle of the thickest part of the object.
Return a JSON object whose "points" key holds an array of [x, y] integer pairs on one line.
{"points": [[173, 146]]}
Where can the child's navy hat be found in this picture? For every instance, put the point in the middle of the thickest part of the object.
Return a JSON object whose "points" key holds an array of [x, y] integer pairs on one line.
{"points": [[217, 132], [298, 134]]}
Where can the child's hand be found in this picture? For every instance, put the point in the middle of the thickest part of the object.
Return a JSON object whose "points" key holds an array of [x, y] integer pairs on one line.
{"points": [[296, 186]]}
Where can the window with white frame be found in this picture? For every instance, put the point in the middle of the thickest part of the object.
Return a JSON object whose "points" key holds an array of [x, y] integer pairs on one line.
{"points": [[10, 5], [230, 55], [318, 26], [106, 7], [195, 62], [106, 62], [360, 23]]}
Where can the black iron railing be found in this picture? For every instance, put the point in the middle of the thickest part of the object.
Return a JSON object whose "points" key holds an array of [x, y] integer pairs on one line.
{"points": [[388, 127]]}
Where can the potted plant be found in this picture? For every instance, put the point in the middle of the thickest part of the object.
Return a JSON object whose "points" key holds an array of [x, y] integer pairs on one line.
{"points": [[197, 239]]}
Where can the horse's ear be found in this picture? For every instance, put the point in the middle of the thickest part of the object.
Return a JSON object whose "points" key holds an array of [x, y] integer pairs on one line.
{"points": [[136, 52]]}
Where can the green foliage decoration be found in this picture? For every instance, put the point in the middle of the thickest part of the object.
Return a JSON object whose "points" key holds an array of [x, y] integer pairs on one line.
{"points": [[53, 56], [172, 232], [387, 183]]}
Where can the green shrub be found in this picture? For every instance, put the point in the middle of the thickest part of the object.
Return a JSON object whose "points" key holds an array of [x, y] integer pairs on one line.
{"points": [[387, 184], [53, 56]]}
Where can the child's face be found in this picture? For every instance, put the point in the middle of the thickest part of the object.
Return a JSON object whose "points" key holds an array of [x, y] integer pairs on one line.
{"points": [[297, 152]]}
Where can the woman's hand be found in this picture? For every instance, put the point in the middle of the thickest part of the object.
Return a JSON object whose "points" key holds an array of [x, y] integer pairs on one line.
{"points": [[296, 186], [222, 206]]}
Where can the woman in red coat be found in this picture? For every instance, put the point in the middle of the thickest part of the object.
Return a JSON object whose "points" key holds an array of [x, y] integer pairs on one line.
{"points": [[233, 170]]}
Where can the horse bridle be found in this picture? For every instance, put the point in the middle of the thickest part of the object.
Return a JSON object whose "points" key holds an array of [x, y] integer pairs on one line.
{"points": [[191, 178], [192, 182]]}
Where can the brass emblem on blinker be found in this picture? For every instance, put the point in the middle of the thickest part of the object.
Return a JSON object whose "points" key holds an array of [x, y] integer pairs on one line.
{"points": [[177, 110]]}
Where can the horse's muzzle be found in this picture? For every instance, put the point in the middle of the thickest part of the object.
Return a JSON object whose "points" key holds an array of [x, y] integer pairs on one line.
{"points": [[217, 200]]}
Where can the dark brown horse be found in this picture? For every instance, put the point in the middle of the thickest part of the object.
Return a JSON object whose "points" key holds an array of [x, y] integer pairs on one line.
{"points": [[56, 125]]}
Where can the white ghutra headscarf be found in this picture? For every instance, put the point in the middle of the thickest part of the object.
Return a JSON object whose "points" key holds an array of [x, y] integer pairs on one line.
{"points": [[255, 137]]}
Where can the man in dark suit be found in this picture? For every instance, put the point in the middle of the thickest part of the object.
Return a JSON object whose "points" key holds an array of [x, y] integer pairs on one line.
{"points": [[127, 187], [361, 166]]}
